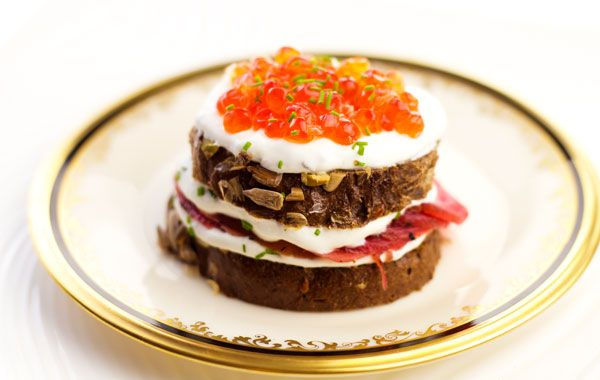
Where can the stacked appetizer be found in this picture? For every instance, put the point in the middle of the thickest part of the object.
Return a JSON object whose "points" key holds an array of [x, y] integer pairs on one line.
{"points": [[311, 185]]}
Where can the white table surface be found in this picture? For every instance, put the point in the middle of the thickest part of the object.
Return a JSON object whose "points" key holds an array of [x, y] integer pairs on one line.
{"points": [[63, 61]]}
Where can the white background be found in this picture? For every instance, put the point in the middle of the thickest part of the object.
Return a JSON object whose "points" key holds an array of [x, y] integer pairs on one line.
{"points": [[63, 61]]}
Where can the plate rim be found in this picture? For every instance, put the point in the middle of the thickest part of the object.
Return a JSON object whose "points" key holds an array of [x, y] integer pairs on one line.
{"points": [[552, 288]]}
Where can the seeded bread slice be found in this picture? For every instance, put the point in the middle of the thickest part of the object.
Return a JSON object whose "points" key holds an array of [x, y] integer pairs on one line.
{"points": [[339, 199]]}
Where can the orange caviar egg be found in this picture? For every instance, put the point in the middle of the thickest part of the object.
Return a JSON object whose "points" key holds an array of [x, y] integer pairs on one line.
{"points": [[301, 98]]}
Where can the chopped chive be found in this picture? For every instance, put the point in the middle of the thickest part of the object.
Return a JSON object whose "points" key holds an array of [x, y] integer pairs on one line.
{"points": [[230, 107], [292, 116], [311, 80], [257, 79], [267, 251], [289, 97], [369, 88], [257, 84], [299, 77], [334, 112], [321, 96], [398, 215], [336, 85], [188, 219], [272, 120], [286, 85], [279, 164], [200, 191], [246, 146], [261, 91], [294, 132], [314, 88], [212, 193], [282, 194], [367, 131], [317, 232], [297, 63], [358, 163], [312, 100], [178, 175], [244, 248], [246, 225], [191, 231], [371, 97], [328, 101], [361, 147]]}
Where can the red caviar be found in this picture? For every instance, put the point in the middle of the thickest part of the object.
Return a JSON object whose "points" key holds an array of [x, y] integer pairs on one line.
{"points": [[300, 98]]}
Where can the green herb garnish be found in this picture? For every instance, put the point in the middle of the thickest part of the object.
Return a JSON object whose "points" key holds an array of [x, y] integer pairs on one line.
{"points": [[246, 225], [334, 112], [321, 97], [369, 87], [358, 163], [230, 107], [294, 132], [289, 97], [267, 251], [292, 116], [361, 147], [328, 101], [298, 78], [279, 164], [317, 232], [244, 248], [246, 146], [272, 120], [201, 191], [191, 232]]}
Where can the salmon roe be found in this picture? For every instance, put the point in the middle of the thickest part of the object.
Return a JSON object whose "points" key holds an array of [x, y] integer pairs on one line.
{"points": [[300, 98]]}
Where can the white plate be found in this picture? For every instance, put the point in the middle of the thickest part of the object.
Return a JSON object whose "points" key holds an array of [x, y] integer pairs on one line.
{"points": [[96, 204]]}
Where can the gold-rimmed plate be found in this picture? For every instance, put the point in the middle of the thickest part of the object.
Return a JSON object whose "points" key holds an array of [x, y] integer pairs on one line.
{"points": [[532, 230]]}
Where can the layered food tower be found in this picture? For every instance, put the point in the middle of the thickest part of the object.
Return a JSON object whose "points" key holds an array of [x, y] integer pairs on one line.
{"points": [[311, 185]]}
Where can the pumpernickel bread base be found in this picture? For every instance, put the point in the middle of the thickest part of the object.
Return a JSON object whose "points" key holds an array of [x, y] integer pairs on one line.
{"points": [[362, 195], [291, 287]]}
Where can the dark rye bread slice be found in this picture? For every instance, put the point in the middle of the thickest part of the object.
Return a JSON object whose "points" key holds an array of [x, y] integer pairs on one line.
{"points": [[292, 287], [361, 196]]}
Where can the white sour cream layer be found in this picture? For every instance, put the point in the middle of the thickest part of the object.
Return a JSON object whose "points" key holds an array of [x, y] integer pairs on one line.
{"points": [[250, 248], [322, 242]]}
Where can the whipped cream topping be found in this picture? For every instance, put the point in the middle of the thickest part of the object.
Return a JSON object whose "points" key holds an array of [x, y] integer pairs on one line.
{"points": [[322, 242], [383, 149]]}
